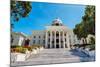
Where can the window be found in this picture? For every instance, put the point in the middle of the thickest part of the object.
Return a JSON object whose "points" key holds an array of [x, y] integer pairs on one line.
{"points": [[61, 45], [53, 46], [12, 40], [65, 39], [57, 33], [33, 41], [66, 45], [44, 36], [61, 41], [52, 41], [57, 40], [57, 45], [49, 34], [39, 37], [48, 45], [65, 34], [49, 40], [43, 41], [34, 36], [39, 41]]}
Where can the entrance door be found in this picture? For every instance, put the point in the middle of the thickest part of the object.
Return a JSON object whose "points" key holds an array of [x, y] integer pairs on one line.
{"points": [[57, 46], [27, 42], [48, 45]]}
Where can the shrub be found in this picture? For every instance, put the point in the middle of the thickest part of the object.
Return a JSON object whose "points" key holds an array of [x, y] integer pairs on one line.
{"points": [[28, 47], [19, 49], [15, 46], [92, 40], [12, 49], [23, 50]]}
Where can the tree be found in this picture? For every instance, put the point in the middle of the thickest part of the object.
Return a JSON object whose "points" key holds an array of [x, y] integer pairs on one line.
{"points": [[92, 46], [19, 9], [93, 40], [89, 19], [87, 25]]}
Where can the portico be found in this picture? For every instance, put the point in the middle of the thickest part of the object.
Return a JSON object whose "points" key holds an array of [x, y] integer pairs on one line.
{"points": [[57, 39], [56, 35]]}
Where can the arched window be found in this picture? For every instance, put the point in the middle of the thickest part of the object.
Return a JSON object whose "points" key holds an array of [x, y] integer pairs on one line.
{"points": [[57, 33], [57, 40]]}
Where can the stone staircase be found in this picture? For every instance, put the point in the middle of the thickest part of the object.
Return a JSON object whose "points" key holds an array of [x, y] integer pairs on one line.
{"points": [[53, 56]]}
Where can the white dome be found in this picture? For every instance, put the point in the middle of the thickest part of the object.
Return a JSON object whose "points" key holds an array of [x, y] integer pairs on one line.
{"points": [[57, 22]]}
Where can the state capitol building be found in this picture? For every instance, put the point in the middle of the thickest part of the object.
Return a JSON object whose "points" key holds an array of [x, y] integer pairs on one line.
{"points": [[56, 35]]}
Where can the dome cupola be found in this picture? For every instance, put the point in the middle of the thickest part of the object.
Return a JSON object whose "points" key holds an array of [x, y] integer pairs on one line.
{"points": [[57, 22]]}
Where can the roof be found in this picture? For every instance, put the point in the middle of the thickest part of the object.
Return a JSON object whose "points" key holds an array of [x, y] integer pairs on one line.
{"points": [[57, 22], [19, 33]]}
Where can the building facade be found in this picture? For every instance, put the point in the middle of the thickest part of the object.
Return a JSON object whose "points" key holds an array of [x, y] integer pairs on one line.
{"points": [[17, 38], [57, 35]]}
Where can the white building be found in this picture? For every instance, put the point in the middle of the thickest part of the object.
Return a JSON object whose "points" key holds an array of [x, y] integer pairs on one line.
{"points": [[56, 35], [17, 38]]}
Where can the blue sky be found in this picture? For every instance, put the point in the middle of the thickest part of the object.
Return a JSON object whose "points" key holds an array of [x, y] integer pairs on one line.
{"points": [[43, 14]]}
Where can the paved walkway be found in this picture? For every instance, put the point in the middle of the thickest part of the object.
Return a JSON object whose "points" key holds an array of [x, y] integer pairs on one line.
{"points": [[53, 56]]}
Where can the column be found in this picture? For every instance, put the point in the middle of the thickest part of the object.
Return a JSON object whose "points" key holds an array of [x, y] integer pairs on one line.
{"points": [[63, 40], [59, 40], [51, 39], [46, 39], [55, 39], [68, 43]]}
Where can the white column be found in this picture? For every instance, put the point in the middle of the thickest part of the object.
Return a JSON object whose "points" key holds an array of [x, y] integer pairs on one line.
{"points": [[63, 40], [55, 39], [46, 39], [51, 39], [59, 40], [68, 43]]}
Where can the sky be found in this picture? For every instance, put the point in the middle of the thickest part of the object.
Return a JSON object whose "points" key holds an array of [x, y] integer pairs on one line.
{"points": [[42, 14]]}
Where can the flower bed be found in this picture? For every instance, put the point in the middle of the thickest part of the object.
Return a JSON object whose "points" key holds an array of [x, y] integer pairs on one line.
{"points": [[19, 50], [24, 52]]}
